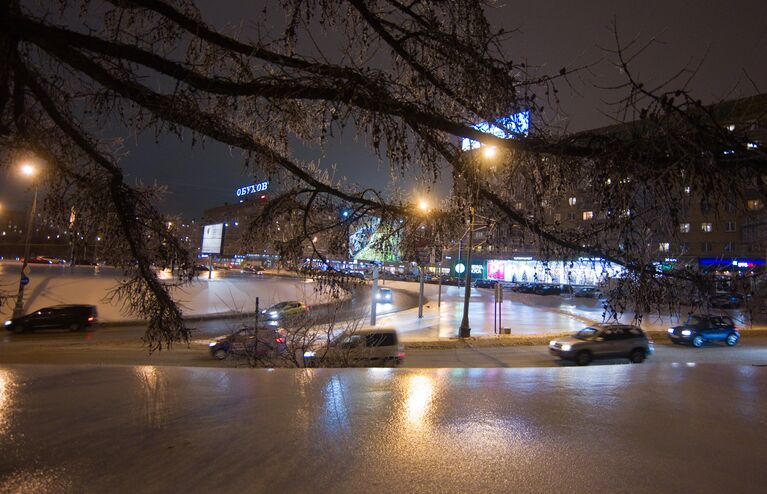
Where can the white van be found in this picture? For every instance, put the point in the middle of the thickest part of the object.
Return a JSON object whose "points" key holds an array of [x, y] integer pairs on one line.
{"points": [[368, 347]]}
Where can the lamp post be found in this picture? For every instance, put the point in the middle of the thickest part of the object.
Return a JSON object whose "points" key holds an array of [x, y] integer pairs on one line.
{"points": [[465, 329], [27, 170]]}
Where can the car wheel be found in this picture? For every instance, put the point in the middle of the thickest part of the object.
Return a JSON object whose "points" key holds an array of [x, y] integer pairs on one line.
{"points": [[732, 340], [75, 326], [637, 356], [220, 354], [697, 342], [19, 328], [583, 358]]}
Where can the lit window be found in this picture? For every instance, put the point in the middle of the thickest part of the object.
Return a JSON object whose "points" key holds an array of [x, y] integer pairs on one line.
{"points": [[684, 227], [684, 247], [706, 227], [754, 204], [664, 246], [608, 181], [730, 226], [588, 215], [572, 201], [687, 190], [518, 205], [730, 127], [557, 217]]}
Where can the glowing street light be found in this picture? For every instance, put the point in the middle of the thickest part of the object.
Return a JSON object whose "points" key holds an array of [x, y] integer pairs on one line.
{"points": [[490, 152], [423, 205], [28, 170]]}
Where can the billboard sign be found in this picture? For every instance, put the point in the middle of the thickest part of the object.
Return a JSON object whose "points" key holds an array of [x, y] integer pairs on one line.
{"points": [[517, 124], [212, 238]]}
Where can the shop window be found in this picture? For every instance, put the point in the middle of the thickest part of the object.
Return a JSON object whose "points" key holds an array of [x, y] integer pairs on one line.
{"points": [[588, 215], [684, 228], [754, 204], [706, 227]]}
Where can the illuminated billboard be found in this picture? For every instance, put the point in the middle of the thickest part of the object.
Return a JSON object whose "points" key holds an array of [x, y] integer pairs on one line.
{"points": [[505, 127], [252, 189], [212, 238]]}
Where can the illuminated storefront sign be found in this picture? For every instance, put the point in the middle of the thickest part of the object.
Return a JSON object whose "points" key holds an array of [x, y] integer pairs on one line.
{"points": [[252, 189], [585, 271], [738, 263]]}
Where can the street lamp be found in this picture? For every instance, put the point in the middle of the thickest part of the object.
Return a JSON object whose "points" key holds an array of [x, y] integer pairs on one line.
{"points": [[464, 331], [28, 170]]}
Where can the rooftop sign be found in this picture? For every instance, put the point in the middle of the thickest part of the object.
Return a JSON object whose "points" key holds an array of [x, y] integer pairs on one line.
{"points": [[252, 189]]}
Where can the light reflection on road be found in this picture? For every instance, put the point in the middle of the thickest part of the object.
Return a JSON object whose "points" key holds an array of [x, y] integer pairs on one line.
{"points": [[7, 391]]}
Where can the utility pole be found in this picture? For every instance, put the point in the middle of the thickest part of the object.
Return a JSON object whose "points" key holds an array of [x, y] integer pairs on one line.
{"points": [[373, 296], [420, 294]]}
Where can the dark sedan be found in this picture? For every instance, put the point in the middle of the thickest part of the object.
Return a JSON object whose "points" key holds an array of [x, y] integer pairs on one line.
{"points": [[72, 317], [700, 329], [267, 342]]}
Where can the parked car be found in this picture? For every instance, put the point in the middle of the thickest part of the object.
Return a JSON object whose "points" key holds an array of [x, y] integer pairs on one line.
{"points": [[485, 283], [285, 310], [726, 300], [700, 329], [266, 342], [526, 287], [72, 317], [587, 292], [604, 341], [384, 296], [547, 290], [201, 267], [374, 347]]}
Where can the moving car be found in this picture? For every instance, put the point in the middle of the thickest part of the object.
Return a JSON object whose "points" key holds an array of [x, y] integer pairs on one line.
{"points": [[384, 296], [548, 290], [72, 317], [604, 341], [374, 347], [700, 329], [285, 310], [251, 270], [267, 342]]}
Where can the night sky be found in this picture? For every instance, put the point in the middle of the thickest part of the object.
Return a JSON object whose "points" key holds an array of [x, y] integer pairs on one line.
{"points": [[730, 38]]}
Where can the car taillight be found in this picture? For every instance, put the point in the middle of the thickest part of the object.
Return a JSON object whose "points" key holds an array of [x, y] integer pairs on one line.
{"points": [[280, 339], [91, 319], [401, 354]]}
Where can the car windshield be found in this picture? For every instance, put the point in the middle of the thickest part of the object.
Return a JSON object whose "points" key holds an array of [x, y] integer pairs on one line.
{"points": [[587, 333]]}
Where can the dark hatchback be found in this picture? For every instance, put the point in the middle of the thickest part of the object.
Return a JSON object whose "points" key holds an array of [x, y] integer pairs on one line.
{"points": [[72, 317], [700, 329]]}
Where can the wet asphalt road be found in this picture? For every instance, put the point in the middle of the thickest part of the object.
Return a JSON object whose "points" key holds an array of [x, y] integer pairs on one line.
{"points": [[605, 429]]}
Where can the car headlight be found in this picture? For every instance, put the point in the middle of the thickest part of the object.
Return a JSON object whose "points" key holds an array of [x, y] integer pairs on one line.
{"points": [[309, 354], [566, 348], [553, 343], [686, 332], [8, 323], [273, 313], [670, 330], [213, 343]]}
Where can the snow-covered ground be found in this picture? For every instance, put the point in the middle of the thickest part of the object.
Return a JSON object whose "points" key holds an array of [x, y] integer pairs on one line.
{"points": [[224, 293]]}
